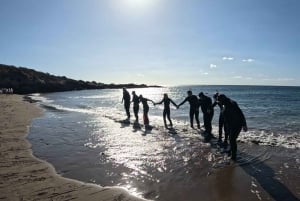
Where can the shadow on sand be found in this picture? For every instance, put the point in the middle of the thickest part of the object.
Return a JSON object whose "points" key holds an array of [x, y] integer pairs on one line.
{"points": [[265, 176]]}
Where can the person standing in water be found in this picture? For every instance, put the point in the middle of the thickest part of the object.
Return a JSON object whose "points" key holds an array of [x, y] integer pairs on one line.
{"points": [[194, 108], [144, 101], [235, 120], [126, 100], [221, 122], [136, 102], [208, 113], [166, 113]]}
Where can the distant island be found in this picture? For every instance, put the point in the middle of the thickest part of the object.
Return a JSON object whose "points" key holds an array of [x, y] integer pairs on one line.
{"points": [[25, 81]]}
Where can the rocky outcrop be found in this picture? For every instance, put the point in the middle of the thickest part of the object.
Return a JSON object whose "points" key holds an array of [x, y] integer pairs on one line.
{"points": [[24, 81]]}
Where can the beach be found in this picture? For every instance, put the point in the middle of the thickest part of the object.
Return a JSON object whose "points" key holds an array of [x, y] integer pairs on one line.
{"points": [[25, 177], [177, 166]]}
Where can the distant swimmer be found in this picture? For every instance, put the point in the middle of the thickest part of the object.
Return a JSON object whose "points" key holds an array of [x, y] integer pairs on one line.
{"points": [[208, 113], [221, 122], [144, 101], [194, 108], [126, 100], [136, 102], [166, 113], [235, 120]]}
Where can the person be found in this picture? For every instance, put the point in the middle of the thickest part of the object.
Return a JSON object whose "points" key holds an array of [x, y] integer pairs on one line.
{"points": [[136, 107], [194, 108], [126, 100], [221, 122], [166, 113], [208, 113], [144, 101], [235, 120]]}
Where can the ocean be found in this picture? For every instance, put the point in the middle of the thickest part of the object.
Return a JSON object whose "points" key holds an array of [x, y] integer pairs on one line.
{"points": [[82, 134]]}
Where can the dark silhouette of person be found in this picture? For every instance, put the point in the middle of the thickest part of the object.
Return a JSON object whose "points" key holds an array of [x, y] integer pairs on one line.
{"points": [[126, 100], [235, 120], [144, 101], [221, 122], [166, 113], [194, 108], [208, 113], [136, 107]]}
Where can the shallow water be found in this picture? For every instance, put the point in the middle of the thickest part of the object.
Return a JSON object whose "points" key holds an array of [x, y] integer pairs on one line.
{"points": [[83, 135]]}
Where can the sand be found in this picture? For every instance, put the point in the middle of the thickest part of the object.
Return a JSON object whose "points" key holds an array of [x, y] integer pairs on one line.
{"points": [[23, 176]]}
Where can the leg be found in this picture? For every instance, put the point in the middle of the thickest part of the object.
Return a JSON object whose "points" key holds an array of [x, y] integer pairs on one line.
{"points": [[164, 116], [197, 118], [233, 144], [206, 122], [169, 116], [192, 112], [146, 119], [221, 124], [136, 111], [226, 131], [127, 107]]}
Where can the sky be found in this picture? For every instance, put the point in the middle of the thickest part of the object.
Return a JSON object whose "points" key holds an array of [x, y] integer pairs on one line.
{"points": [[163, 42]]}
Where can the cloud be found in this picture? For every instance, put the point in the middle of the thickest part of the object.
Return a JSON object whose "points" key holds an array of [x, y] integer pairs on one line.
{"points": [[248, 60], [140, 75], [238, 77], [279, 79], [212, 65], [228, 58]]}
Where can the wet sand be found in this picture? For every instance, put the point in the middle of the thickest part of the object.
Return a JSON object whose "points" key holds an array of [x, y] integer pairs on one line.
{"points": [[24, 177]]}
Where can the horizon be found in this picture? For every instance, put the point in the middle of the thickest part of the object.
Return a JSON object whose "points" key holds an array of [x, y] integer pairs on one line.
{"points": [[156, 42]]}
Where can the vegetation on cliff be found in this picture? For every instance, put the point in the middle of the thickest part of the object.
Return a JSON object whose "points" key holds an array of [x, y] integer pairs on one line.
{"points": [[24, 81]]}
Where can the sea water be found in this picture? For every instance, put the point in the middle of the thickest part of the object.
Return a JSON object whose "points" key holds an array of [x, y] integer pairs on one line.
{"points": [[83, 135]]}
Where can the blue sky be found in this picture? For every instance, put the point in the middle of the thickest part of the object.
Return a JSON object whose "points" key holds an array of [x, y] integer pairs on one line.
{"points": [[166, 42]]}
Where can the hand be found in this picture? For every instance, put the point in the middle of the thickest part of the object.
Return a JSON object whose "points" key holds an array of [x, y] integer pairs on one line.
{"points": [[245, 128]]}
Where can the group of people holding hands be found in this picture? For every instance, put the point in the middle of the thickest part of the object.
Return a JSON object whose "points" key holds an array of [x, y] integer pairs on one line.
{"points": [[231, 119]]}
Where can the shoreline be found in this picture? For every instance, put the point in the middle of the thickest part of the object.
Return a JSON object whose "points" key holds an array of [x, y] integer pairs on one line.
{"points": [[25, 177]]}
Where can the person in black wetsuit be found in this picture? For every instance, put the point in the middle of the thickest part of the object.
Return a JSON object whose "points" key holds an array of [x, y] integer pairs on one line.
{"points": [[221, 122], [166, 113], [194, 108], [235, 120], [208, 113], [144, 101], [126, 100], [136, 107]]}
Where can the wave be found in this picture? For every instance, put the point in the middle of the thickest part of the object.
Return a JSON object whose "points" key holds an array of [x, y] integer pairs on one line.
{"points": [[255, 136]]}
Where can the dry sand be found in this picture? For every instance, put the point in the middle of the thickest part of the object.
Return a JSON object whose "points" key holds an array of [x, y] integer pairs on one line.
{"points": [[24, 177]]}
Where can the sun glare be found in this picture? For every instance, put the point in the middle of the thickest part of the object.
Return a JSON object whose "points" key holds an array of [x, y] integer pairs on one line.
{"points": [[135, 6], [139, 4]]}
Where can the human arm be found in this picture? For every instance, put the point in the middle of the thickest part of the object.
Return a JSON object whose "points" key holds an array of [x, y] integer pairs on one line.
{"points": [[173, 103], [182, 102], [159, 102], [243, 119]]}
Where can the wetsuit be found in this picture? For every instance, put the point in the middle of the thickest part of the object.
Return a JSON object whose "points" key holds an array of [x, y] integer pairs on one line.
{"points": [[167, 112], [208, 112], [136, 101], [194, 109], [126, 99], [221, 123], [235, 120]]}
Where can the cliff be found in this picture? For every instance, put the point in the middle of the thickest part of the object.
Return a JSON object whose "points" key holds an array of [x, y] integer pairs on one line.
{"points": [[24, 81]]}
